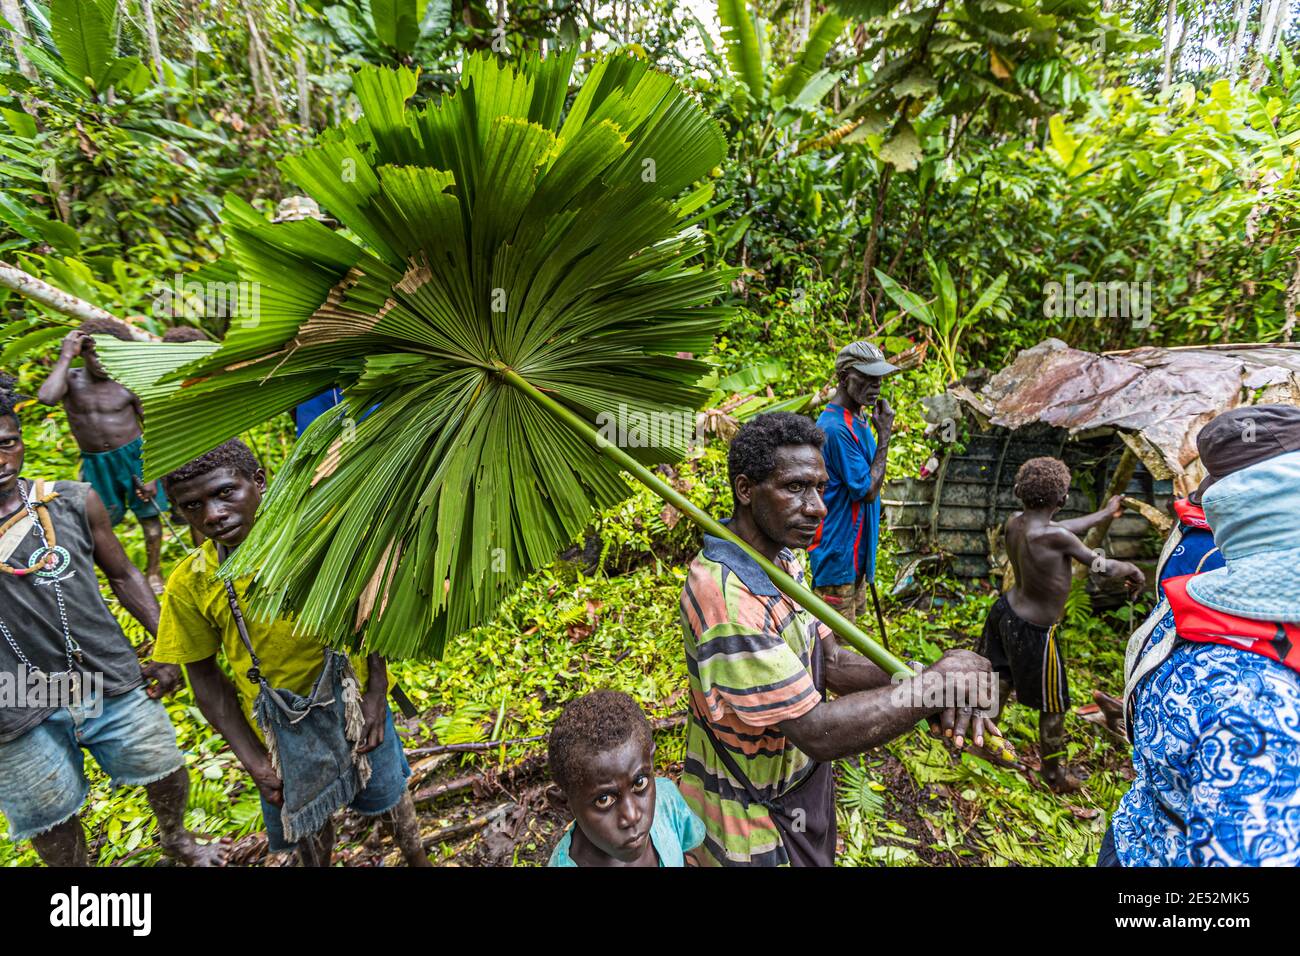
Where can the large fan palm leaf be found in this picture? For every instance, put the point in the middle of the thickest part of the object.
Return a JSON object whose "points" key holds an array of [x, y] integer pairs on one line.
{"points": [[520, 270], [494, 230]]}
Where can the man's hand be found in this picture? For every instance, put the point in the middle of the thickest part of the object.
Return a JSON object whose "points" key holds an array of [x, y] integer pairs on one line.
{"points": [[882, 417], [74, 342], [268, 781], [1115, 505], [146, 491], [375, 711], [160, 679], [957, 722]]}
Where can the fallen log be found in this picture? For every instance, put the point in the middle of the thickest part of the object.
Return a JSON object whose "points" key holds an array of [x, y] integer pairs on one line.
{"points": [[482, 746], [459, 831], [472, 748], [525, 768]]}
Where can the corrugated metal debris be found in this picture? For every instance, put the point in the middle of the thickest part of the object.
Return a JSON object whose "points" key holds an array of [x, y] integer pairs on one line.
{"points": [[1157, 399]]}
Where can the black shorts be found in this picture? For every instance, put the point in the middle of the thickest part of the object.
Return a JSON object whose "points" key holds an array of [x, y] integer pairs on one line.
{"points": [[1029, 655]]}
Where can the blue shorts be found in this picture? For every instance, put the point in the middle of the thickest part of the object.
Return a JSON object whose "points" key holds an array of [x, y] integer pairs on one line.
{"points": [[388, 773], [42, 773]]}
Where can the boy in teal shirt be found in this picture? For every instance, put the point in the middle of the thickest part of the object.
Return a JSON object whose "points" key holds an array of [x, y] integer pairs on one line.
{"points": [[601, 753]]}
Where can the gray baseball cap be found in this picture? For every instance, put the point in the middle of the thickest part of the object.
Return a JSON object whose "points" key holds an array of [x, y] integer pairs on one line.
{"points": [[1245, 436], [864, 357]]}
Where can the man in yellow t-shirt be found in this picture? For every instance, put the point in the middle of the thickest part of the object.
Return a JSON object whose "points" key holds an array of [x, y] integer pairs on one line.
{"points": [[219, 493]]}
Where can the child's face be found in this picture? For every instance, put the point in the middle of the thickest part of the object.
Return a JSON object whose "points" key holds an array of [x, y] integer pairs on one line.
{"points": [[222, 503], [614, 805]]}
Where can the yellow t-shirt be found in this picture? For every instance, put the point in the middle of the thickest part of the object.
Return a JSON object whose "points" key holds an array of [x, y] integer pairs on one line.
{"points": [[197, 622]]}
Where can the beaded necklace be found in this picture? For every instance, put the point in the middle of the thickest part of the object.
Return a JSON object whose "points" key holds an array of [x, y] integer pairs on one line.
{"points": [[41, 560], [44, 558]]}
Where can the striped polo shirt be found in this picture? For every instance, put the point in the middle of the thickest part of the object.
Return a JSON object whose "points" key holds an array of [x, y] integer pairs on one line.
{"points": [[748, 650]]}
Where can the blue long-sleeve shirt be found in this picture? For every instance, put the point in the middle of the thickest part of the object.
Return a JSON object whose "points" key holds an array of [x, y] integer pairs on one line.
{"points": [[844, 549]]}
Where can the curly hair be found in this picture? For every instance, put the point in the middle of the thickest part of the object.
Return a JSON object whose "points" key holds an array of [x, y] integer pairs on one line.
{"points": [[590, 725], [185, 333], [753, 450], [10, 399], [1042, 482], [232, 454], [107, 327]]}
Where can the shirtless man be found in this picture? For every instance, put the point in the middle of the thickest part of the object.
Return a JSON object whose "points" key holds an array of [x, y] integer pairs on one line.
{"points": [[1020, 635], [105, 419]]}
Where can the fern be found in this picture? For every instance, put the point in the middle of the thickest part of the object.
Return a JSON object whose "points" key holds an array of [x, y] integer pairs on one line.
{"points": [[1078, 607], [859, 790]]}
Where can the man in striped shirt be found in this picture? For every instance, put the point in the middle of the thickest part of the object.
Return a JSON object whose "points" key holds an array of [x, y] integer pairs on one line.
{"points": [[762, 733]]}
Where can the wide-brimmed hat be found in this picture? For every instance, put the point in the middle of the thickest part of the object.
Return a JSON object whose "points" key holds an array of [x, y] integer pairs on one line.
{"points": [[1252, 513], [864, 357]]}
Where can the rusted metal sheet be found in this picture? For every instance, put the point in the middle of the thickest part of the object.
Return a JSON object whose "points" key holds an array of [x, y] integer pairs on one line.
{"points": [[1159, 397]]}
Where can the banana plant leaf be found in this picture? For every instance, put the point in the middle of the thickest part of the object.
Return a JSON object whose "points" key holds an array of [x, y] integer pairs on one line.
{"points": [[515, 271]]}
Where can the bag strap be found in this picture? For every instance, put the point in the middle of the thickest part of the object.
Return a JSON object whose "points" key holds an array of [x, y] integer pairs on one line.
{"points": [[254, 672], [815, 670], [730, 763]]}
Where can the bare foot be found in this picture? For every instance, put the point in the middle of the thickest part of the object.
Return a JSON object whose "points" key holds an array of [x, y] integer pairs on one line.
{"points": [[1112, 708], [191, 852], [1062, 781], [156, 583]]}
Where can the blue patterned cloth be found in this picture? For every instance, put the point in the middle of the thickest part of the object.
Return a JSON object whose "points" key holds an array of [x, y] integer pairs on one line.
{"points": [[1194, 553], [1216, 735]]}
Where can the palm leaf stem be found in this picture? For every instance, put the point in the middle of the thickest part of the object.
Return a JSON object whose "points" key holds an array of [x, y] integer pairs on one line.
{"points": [[788, 585]]}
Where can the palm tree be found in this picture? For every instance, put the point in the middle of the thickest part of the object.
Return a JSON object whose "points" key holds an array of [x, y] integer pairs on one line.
{"points": [[520, 270]]}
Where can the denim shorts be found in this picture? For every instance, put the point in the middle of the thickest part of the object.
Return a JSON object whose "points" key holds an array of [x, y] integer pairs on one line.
{"points": [[42, 773], [388, 773]]}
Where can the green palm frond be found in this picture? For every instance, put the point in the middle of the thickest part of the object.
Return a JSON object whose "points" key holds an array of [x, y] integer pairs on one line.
{"points": [[744, 38], [508, 249], [809, 60]]}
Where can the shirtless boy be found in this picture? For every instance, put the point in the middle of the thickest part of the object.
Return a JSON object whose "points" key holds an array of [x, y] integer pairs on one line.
{"points": [[105, 419], [1021, 633]]}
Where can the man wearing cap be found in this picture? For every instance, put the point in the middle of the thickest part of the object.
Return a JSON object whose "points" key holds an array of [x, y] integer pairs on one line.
{"points": [[843, 553], [1212, 677]]}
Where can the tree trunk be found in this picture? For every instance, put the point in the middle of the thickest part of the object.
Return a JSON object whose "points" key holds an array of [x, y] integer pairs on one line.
{"points": [[805, 15], [1171, 27], [1239, 38], [1272, 21], [38, 290], [151, 34], [1119, 481], [257, 54], [1292, 297], [14, 14], [872, 252], [300, 71]]}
